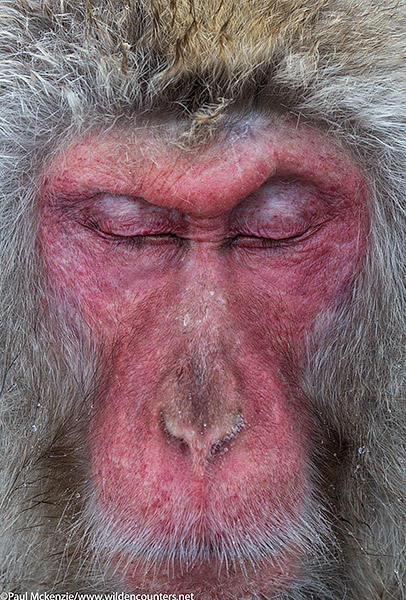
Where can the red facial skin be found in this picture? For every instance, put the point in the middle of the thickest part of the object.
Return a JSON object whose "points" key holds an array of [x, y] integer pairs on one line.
{"points": [[200, 273]]}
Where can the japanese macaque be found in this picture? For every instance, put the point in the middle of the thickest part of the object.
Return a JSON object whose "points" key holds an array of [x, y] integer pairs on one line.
{"points": [[203, 298]]}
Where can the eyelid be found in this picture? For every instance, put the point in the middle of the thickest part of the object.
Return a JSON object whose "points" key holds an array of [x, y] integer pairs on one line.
{"points": [[287, 238], [268, 243], [117, 230], [133, 229], [117, 208], [278, 229], [120, 220], [279, 208]]}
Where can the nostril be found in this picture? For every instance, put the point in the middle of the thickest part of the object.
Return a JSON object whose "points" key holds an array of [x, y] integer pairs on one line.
{"points": [[222, 444], [203, 441], [178, 442]]}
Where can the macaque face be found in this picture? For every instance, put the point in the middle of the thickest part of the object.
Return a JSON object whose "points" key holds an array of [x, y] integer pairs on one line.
{"points": [[201, 273]]}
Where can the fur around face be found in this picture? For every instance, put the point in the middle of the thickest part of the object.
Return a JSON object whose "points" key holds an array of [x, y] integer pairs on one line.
{"points": [[70, 67]]}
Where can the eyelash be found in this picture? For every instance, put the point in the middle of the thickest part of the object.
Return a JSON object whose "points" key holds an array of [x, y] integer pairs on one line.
{"points": [[269, 244], [137, 241], [262, 242]]}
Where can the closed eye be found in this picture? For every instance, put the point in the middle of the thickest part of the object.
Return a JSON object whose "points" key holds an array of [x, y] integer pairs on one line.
{"points": [[134, 241], [265, 243]]}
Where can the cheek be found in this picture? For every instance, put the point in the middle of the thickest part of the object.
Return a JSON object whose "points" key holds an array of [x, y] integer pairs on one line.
{"points": [[283, 299]]}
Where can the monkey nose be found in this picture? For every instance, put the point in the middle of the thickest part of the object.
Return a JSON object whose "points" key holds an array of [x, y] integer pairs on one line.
{"points": [[202, 443]]}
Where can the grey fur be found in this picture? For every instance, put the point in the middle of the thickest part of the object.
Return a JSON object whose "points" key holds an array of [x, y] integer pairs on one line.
{"points": [[71, 67]]}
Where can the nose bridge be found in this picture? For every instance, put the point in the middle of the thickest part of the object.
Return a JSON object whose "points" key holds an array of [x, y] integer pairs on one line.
{"points": [[202, 309], [202, 372]]}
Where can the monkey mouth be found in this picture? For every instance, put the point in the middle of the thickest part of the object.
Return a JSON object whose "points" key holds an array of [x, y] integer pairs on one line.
{"points": [[208, 542], [204, 561]]}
